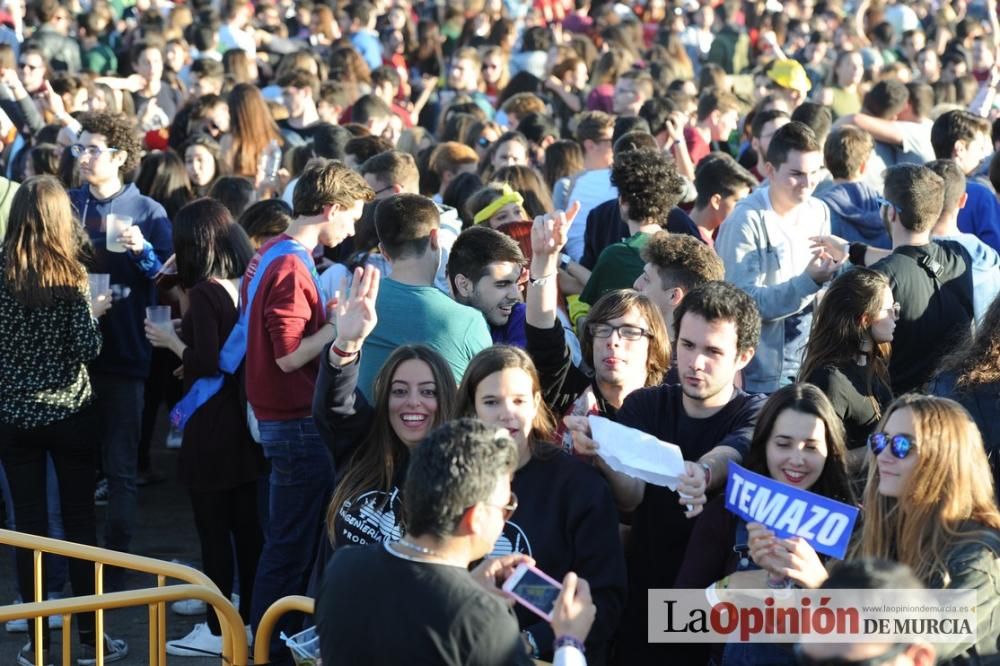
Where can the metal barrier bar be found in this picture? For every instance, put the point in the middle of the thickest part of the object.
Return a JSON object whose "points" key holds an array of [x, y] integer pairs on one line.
{"points": [[102, 557], [262, 639], [229, 618]]}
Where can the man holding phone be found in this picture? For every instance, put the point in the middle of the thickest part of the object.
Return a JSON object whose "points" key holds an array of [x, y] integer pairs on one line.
{"points": [[457, 499]]}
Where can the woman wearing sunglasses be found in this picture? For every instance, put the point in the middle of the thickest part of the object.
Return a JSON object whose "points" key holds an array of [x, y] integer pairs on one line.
{"points": [[928, 504], [799, 441], [848, 351], [566, 518]]}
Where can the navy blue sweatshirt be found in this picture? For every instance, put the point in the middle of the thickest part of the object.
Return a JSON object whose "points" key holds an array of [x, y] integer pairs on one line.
{"points": [[855, 214], [566, 519], [126, 352]]}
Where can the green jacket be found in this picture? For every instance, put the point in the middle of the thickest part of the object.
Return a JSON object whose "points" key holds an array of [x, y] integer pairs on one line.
{"points": [[974, 563]]}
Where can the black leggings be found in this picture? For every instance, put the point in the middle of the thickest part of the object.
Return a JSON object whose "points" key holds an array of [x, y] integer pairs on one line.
{"points": [[74, 454], [226, 521]]}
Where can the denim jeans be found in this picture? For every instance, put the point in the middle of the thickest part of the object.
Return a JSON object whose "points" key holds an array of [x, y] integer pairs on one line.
{"points": [[55, 566], [72, 451], [119, 406], [300, 486]]}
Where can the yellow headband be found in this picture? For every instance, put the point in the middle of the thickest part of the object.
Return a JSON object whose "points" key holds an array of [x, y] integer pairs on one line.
{"points": [[509, 196]]}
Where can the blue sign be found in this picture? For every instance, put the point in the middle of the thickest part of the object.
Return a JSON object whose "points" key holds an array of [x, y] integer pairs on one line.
{"points": [[825, 523]]}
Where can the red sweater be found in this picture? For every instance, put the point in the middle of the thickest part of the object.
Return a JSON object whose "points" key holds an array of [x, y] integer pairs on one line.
{"points": [[286, 309]]}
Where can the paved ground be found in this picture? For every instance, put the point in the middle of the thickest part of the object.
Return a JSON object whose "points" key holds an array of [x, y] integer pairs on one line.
{"points": [[165, 531]]}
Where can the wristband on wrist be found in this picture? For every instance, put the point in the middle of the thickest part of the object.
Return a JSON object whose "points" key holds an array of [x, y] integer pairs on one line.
{"points": [[341, 353], [708, 473], [570, 641], [537, 282]]}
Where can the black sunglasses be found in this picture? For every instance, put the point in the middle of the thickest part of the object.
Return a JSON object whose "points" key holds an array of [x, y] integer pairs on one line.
{"points": [[899, 445]]}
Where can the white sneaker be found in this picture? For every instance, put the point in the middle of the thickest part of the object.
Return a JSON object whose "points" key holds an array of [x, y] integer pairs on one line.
{"points": [[249, 636], [199, 643], [188, 607], [21, 626]]}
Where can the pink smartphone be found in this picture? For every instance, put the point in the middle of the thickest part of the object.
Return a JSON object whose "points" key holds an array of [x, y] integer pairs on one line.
{"points": [[534, 590]]}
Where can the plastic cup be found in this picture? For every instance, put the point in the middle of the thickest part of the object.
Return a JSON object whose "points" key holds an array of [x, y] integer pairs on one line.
{"points": [[159, 315], [100, 283], [114, 226]]}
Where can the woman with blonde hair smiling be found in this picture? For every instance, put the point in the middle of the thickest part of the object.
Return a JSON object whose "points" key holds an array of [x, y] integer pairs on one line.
{"points": [[928, 504]]}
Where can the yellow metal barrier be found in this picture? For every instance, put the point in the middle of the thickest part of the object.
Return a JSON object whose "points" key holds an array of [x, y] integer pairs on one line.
{"points": [[262, 639], [199, 586]]}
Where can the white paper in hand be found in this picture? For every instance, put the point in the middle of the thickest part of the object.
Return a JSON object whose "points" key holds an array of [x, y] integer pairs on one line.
{"points": [[636, 453]]}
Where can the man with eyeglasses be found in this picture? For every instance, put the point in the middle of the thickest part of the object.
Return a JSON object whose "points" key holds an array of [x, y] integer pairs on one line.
{"points": [[717, 328], [61, 51], [458, 498], [108, 147]]}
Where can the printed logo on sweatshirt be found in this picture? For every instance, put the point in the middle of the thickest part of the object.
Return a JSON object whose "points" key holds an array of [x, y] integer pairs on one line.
{"points": [[512, 540], [374, 517]]}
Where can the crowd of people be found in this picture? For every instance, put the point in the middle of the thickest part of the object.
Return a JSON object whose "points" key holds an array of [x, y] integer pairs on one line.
{"points": [[381, 260]]}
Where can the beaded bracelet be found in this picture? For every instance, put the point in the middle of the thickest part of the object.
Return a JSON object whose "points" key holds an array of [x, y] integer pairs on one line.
{"points": [[570, 641]]}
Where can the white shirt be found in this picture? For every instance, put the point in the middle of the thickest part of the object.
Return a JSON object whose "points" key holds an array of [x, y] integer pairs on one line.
{"points": [[591, 189]]}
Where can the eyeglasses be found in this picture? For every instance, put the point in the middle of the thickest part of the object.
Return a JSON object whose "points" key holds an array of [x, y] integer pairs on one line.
{"points": [[899, 445], [882, 201], [893, 310], [507, 509], [625, 331], [894, 651], [77, 150]]}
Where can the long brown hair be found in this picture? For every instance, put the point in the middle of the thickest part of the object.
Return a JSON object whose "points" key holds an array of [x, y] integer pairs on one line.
{"points": [[252, 128], [833, 481], [976, 361], [43, 245], [838, 332], [373, 466], [950, 487], [497, 359]]}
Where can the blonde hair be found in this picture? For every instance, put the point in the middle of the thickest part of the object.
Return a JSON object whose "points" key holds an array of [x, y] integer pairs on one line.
{"points": [[950, 487]]}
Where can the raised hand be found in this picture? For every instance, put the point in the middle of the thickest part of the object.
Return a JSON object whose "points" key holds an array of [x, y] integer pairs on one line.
{"points": [[354, 309], [549, 232]]}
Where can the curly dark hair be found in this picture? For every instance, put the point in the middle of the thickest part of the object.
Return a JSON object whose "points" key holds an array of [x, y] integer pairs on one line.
{"points": [[118, 133], [648, 183]]}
